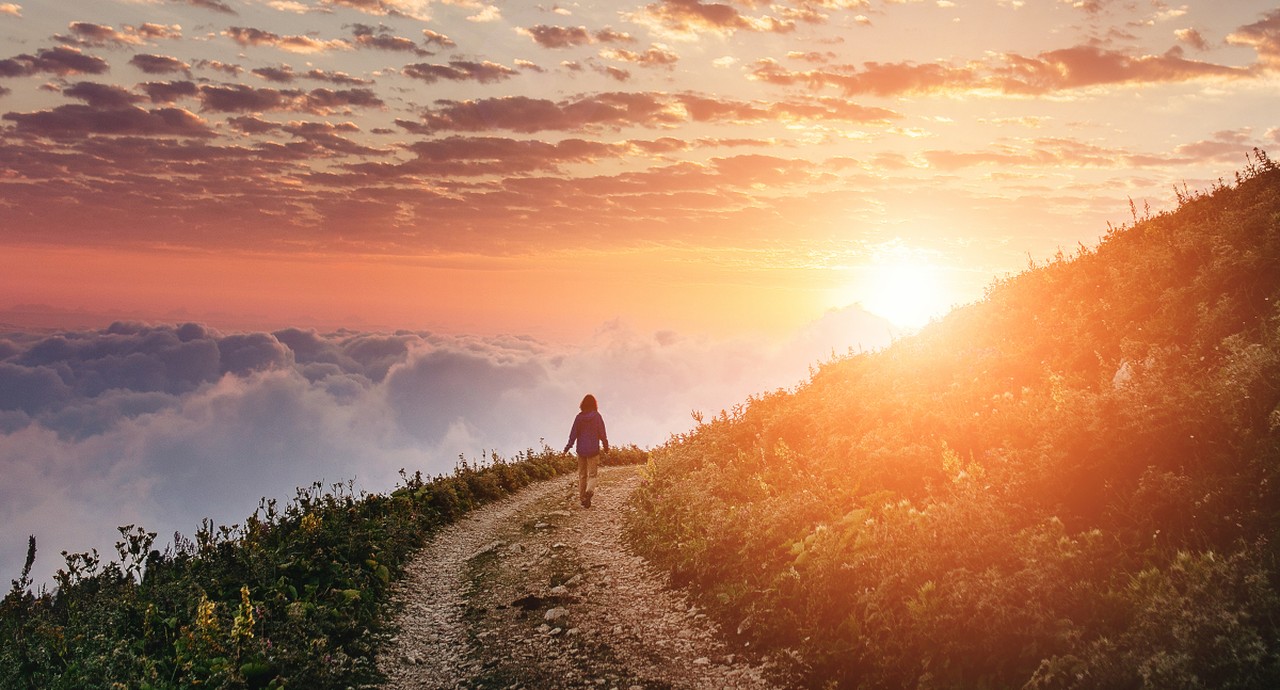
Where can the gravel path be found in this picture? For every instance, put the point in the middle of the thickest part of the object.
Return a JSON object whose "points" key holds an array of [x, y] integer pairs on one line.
{"points": [[537, 592]]}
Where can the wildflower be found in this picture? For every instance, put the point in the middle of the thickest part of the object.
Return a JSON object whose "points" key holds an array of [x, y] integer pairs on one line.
{"points": [[205, 619], [242, 627], [310, 523]]}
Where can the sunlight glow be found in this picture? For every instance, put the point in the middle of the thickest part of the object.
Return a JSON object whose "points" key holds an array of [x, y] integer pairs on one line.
{"points": [[904, 288]]}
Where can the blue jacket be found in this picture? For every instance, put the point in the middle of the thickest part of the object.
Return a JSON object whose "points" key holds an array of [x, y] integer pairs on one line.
{"points": [[588, 431]]}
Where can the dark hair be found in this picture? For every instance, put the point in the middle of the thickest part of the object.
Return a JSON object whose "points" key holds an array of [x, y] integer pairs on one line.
{"points": [[589, 404]]}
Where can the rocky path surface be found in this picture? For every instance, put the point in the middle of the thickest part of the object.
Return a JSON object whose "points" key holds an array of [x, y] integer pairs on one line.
{"points": [[537, 592]]}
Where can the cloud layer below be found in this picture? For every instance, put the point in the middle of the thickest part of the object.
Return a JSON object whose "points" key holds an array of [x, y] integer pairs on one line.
{"points": [[163, 426]]}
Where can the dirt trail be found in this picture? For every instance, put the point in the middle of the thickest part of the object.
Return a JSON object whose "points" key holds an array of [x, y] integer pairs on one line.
{"points": [[537, 592]]}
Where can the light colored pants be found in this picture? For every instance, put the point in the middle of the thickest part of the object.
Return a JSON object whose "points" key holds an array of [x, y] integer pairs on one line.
{"points": [[587, 468]]}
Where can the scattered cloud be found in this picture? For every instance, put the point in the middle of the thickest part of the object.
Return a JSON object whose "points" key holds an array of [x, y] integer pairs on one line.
{"points": [[488, 13], [568, 37], [247, 36], [411, 9], [382, 38], [215, 5], [437, 39], [484, 72], [241, 98], [219, 66], [60, 60], [168, 91], [1193, 38], [77, 120], [282, 74], [1264, 37], [689, 18], [658, 55], [159, 64], [1048, 72], [616, 110], [101, 95]]}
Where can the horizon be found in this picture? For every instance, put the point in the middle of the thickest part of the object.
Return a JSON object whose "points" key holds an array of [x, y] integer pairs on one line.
{"points": [[731, 168], [674, 204]]}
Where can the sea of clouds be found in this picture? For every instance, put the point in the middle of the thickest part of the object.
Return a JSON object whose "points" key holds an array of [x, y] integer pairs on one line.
{"points": [[164, 425]]}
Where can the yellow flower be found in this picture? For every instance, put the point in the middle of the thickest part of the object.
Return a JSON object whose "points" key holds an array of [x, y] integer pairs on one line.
{"points": [[242, 627], [310, 523], [205, 618]]}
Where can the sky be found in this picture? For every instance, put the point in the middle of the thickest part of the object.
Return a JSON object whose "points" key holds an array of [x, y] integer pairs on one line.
{"points": [[460, 166], [250, 244]]}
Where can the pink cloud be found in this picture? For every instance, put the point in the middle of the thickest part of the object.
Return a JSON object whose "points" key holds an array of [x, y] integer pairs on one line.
{"points": [[159, 64], [460, 70], [59, 60]]}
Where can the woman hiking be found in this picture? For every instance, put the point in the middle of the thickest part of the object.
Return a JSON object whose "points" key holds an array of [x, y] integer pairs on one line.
{"points": [[588, 431]]}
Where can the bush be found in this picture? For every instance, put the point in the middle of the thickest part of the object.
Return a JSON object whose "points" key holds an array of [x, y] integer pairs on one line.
{"points": [[1069, 484], [294, 596]]}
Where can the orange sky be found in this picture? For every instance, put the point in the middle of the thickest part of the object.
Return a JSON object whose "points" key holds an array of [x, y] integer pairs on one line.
{"points": [[736, 167]]}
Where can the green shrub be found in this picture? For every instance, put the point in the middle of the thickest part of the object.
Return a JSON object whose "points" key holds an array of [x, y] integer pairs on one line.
{"points": [[294, 596], [1072, 483]]}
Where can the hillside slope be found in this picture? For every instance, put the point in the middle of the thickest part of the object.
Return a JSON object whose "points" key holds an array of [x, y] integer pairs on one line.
{"points": [[1071, 483]]}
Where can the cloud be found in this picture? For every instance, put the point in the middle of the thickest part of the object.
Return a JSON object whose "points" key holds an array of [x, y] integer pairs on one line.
{"points": [[282, 74], [381, 38], [163, 426], [688, 18], [1193, 38], [459, 70], [77, 120], [59, 60], [1263, 36], [568, 37], [617, 110], [412, 9], [488, 13], [1049, 72], [336, 77], [98, 35], [247, 36], [168, 91], [219, 66], [241, 98], [101, 95], [614, 73], [215, 5], [438, 39], [159, 64], [658, 55], [1059, 153]]}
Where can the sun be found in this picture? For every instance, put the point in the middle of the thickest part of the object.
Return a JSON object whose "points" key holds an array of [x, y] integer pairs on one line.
{"points": [[906, 291]]}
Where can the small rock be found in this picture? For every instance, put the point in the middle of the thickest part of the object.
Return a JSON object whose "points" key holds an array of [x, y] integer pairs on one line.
{"points": [[544, 628], [560, 513], [559, 590], [541, 525], [558, 545], [556, 631], [555, 614], [701, 661], [574, 581]]}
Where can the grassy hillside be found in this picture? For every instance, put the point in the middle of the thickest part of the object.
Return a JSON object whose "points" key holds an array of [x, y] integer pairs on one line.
{"points": [[1072, 483], [294, 597]]}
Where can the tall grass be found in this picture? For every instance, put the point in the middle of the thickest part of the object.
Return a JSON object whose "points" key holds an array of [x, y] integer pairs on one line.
{"points": [[1072, 483], [296, 596]]}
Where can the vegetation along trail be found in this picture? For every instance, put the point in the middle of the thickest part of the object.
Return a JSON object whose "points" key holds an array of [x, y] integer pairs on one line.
{"points": [[536, 592]]}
